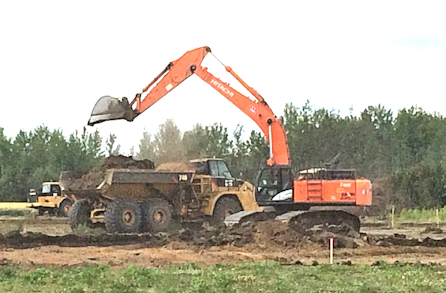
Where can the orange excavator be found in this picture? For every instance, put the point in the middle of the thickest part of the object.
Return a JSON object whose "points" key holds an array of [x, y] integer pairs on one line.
{"points": [[276, 187]]}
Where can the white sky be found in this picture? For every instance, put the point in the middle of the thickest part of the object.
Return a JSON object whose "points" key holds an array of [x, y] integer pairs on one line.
{"points": [[57, 58]]}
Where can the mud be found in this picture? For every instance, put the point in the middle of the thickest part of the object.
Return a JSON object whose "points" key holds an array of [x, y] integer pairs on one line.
{"points": [[268, 240], [271, 234], [206, 236]]}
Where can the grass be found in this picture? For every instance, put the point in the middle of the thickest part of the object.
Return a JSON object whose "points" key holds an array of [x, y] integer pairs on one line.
{"points": [[95, 230], [423, 215], [244, 277], [8, 227], [27, 213], [14, 205]]}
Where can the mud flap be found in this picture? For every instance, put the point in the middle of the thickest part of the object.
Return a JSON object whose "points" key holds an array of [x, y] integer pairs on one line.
{"points": [[109, 108]]}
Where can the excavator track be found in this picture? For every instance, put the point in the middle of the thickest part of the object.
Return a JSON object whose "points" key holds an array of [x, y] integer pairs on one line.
{"points": [[301, 219], [343, 220]]}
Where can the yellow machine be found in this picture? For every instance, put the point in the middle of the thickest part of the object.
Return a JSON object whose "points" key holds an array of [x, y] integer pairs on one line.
{"points": [[50, 199]]}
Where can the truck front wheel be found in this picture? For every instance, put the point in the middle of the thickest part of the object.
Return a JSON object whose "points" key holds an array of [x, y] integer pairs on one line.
{"points": [[79, 213], [224, 207], [123, 215], [64, 208]]}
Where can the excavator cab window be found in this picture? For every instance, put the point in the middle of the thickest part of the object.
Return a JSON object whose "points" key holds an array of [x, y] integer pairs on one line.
{"points": [[272, 181]]}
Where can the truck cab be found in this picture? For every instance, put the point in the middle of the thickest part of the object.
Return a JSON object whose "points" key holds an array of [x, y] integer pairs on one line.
{"points": [[49, 198], [220, 192], [217, 170]]}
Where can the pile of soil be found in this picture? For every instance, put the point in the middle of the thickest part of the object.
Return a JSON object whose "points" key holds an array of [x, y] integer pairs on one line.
{"points": [[203, 237], [79, 181], [266, 234], [123, 162], [277, 233], [87, 181], [261, 234], [175, 167]]}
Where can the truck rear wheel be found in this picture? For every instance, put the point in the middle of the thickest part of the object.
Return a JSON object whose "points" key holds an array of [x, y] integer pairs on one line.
{"points": [[224, 207], [79, 213], [64, 207], [157, 215], [123, 215]]}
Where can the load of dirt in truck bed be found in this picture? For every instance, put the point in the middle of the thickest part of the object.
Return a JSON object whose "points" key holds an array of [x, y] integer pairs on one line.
{"points": [[175, 167], [123, 162], [90, 180]]}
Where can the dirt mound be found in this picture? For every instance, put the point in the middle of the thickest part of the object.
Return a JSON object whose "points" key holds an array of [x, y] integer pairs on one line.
{"points": [[267, 233], [29, 240], [204, 237], [123, 162], [175, 167], [260, 235], [83, 182], [277, 233], [79, 181]]}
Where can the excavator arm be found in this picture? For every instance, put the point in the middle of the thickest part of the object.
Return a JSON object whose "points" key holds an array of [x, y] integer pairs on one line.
{"points": [[108, 108]]}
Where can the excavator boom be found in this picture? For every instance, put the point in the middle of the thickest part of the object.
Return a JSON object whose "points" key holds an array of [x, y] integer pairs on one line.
{"points": [[108, 108]]}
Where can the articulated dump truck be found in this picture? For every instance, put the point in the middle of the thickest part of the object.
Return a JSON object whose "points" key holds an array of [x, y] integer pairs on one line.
{"points": [[144, 199]]}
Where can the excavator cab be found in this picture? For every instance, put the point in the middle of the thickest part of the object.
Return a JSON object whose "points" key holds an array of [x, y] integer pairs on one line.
{"points": [[274, 184], [109, 108]]}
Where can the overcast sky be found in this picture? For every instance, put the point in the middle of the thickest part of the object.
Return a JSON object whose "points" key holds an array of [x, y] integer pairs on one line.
{"points": [[57, 58]]}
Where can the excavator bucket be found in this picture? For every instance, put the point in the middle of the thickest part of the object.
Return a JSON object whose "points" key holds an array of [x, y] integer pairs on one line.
{"points": [[109, 108]]}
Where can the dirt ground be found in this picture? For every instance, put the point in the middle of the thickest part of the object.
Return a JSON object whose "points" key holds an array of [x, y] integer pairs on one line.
{"points": [[48, 242], [123, 256]]}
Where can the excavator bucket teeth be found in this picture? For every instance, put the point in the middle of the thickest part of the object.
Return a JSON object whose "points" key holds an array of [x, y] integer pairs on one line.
{"points": [[109, 108]]}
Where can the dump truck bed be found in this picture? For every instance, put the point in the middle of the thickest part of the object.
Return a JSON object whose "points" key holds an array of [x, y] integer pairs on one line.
{"points": [[129, 178], [146, 176]]}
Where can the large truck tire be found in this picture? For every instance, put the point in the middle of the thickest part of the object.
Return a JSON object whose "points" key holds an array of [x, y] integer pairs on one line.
{"points": [[224, 207], [123, 215], [157, 215], [79, 213], [64, 207]]}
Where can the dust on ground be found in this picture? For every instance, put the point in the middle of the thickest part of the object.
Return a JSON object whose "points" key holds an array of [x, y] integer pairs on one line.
{"points": [[207, 245]]}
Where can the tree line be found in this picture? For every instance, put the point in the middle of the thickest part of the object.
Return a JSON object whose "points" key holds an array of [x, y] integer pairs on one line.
{"points": [[403, 153]]}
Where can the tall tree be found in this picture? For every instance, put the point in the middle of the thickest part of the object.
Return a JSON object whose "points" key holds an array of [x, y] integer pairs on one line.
{"points": [[168, 143], [110, 143], [146, 148], [219, 144], [195, 142]]}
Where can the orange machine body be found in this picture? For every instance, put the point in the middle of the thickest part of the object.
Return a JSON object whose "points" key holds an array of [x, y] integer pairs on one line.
{"points": [[343, 191]]}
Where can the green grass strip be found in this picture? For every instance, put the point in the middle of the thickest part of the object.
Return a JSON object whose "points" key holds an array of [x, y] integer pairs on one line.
{"points": [[245, 277]]}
